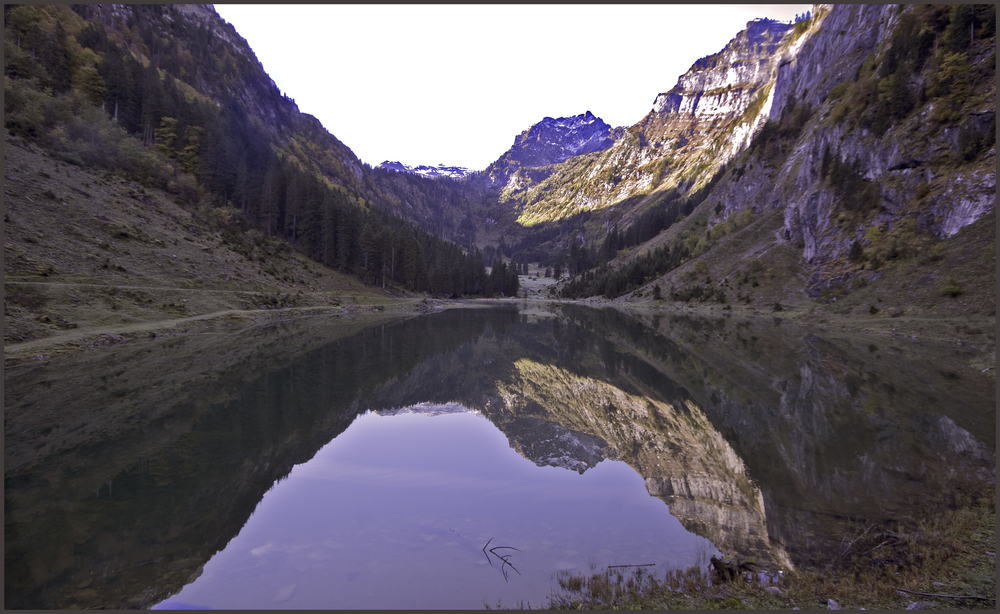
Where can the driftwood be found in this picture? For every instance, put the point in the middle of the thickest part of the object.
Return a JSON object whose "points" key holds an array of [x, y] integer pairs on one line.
{"points": [[642, 565], [850, 544], [946, 596], [729, 569]]}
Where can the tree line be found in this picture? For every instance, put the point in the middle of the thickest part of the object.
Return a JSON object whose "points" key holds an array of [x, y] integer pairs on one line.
{"points": [[174, 86]]}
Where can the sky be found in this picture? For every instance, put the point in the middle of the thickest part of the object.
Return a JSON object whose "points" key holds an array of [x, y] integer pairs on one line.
{"points": [[455, 84]]}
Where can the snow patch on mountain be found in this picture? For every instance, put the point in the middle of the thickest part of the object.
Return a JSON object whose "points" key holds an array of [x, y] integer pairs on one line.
{"points": [[430, 409], [439, 170]]}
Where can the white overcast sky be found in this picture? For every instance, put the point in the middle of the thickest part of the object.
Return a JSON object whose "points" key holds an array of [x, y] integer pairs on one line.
{"points": [[455, 84]]}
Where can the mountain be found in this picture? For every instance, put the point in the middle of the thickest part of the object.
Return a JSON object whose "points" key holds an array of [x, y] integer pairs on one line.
{"points": [[173, 98], [850, 155], [874, 154], [718, 89], [548, 142], [431, 172], [691, 130]]}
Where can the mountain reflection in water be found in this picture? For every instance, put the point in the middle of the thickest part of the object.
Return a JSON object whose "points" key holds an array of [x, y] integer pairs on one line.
{"points": [[766, 439], [397, 512]]}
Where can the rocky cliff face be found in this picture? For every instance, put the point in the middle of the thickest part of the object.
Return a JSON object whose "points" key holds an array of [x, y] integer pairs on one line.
{"points": [[720, 86], [699, 124], [911, 176]]}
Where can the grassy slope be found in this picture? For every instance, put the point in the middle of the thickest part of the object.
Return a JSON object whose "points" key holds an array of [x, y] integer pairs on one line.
{"points": [[89, 253]]}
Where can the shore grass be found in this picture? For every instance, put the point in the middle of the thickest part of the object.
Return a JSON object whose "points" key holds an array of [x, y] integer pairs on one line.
{"points": [[947, 561]]}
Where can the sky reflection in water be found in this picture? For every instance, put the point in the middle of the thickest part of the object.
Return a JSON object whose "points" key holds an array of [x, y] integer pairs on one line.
{"points": [[394, 513]]}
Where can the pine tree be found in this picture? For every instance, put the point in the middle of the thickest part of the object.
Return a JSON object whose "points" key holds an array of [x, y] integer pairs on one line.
{"points": [[152, 94]]}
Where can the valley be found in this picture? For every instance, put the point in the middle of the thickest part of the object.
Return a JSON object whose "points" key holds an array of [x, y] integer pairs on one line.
{"points": [[768, 178], [778, 285]]}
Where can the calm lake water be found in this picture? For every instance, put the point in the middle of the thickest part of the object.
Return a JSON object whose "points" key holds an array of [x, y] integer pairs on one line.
{"points": [[467, 458]]}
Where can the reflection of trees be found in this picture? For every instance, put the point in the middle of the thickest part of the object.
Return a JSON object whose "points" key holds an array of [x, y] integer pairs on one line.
{"points": [[146, 505], [795, 432], [755, 434], [566, 397], [829, 425]]}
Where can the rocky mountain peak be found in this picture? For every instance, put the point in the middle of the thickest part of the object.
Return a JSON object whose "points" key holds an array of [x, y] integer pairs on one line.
{"points": [[550, 141], [702, 122], [723, 84], [553, 140]]}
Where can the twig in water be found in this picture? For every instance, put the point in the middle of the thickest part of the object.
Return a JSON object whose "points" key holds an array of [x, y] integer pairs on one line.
{"points": [[642, 565], [502, 548], [488, 556], [948, 596], [504, 558]]}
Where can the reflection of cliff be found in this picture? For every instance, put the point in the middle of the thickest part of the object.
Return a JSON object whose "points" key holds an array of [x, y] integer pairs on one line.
{"points": [[672, 444], [831, 426], [763, 436], [559, 415], [550, 444]]}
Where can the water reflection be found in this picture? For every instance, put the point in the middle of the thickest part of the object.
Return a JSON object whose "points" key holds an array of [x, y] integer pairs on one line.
{"points": [[398, 510], [764, 438]]}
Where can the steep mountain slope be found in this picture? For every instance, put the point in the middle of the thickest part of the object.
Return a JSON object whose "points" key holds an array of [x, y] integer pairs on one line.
{"points": [[89, 253], [875, 147], [691, 130], [550, 141], [89, 83], [889, 163]]}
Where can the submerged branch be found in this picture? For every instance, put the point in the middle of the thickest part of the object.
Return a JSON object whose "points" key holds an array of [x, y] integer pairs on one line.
{"points": [[506, 563], [487, 555]]}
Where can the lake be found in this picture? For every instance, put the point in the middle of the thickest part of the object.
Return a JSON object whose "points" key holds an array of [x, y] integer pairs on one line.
{"points": [[467, 458]]}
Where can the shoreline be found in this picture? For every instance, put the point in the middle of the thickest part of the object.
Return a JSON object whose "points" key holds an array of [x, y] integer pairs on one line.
{"points": [[948, 562], [233, 336], [977, 329]]}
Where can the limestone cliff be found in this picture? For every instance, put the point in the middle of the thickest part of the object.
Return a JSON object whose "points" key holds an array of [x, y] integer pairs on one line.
{"points": [[692, 129], [903, 138]]}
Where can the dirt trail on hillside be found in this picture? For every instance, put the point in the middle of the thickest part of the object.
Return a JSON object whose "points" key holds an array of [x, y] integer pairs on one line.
{"points": [[228, 321], [127, 287]]}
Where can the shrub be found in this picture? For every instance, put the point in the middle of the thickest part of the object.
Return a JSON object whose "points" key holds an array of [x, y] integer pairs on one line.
{"points": [[837, 90], [952, 289], [856, 253]]}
